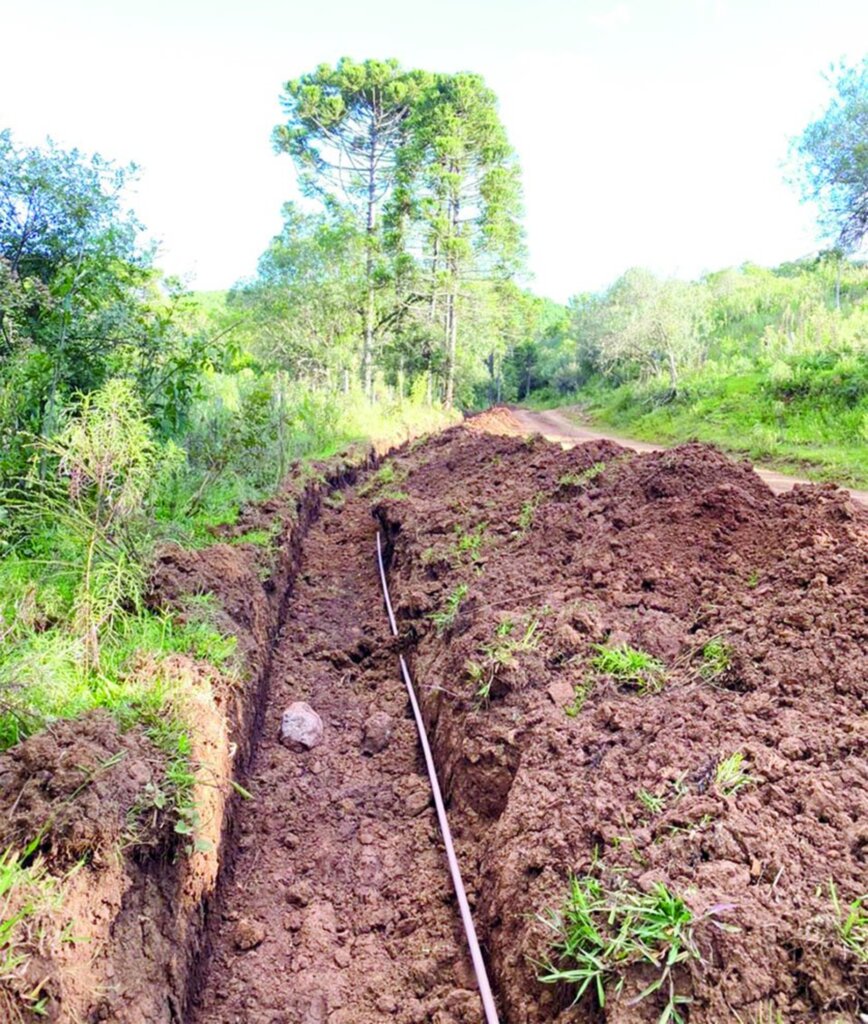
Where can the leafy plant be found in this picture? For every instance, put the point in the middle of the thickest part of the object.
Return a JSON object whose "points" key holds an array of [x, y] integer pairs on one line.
{"points": [[501, 654], [852, 923], [573, 481], [627, 665], [730, 775], [602, 933], [716, 659], [447, 615]]}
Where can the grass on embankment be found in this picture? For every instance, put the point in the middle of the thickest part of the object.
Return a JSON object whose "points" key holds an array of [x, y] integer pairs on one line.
{"points": [[807, 417]]}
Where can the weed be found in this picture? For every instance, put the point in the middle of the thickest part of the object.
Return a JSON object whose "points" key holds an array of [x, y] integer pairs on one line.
{"points": [[581, 693], [753, 579], [336, 500], [447, 615], [654, 804], [716, 659], [852, 923], [468, 545], [730, 775], [600, 934], [501, 654], [572, 481], [627, 665], [528, 511], [259, 538]]}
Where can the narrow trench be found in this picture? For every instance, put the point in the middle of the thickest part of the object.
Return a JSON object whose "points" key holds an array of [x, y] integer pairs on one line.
{"points": [[339, 907]]}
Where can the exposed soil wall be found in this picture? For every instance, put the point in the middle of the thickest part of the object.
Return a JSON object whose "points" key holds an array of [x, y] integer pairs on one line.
{"points": [[134, 909]]}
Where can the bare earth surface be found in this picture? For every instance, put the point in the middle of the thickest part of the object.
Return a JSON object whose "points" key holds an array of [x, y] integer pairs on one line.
{"points": [[340, 905], [555, 426], [340, 909]]}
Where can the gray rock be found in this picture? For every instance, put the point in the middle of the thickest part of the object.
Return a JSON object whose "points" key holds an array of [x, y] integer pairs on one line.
{"points": [[300, 727], [378, 732]]}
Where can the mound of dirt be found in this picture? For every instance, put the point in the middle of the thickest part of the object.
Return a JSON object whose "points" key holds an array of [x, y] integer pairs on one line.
{"points": [[515, 567]]}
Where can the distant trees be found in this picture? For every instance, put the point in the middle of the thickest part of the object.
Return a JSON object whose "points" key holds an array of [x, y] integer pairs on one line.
{"points": [[833, 156], [420, 164]]}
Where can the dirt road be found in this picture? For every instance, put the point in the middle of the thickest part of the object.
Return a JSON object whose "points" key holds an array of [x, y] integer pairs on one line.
{"points": [[555, 426]]}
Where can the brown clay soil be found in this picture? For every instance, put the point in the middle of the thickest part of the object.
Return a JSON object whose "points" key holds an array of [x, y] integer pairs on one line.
{"points": [[339, 908], [335, 905]]}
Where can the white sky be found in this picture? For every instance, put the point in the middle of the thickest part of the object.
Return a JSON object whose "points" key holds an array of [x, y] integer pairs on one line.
{"points": [[650, 132]]}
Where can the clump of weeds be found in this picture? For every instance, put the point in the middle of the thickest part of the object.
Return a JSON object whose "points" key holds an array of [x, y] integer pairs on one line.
{"points": [[445, 618], [637, 669], [501, 653], [730, 775], [336, 500], [716, 659], [385, 476], [468, 545], [576, 481], [851, 923], [602, 933]]}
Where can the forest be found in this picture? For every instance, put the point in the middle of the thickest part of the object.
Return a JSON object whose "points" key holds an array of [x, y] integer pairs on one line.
{"points": [[137, 415]]}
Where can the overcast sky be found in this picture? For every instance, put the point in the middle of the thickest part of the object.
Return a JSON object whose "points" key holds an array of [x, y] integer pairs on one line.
{"points": [[650, 132]]}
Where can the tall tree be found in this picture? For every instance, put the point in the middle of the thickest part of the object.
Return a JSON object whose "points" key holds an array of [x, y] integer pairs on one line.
{"points": [[468, 194], [833, 154], [344, 128]]}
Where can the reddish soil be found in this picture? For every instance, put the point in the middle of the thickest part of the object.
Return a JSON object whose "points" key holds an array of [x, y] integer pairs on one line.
{"points": [[665, 551], [339, 908], [334, 902]]}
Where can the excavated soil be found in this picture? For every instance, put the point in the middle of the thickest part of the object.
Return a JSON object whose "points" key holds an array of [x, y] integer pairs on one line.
{"points": [[665, 552], [334, 903]]}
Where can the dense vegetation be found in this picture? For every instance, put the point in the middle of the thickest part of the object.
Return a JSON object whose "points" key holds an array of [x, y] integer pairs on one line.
{"points": [[773, 363]]}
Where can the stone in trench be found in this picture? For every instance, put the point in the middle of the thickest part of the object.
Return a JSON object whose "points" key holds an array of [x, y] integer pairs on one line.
{"points": [[300, 727], [377, 733], [247, 934]]}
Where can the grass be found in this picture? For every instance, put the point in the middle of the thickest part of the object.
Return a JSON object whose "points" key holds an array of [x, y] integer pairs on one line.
{"points": [[574, 481], [581, 692], [386, 476], [501, 653], [851, 923], [730, 775], [716, 659], [29, 898], [468, 544], [652, 803], [803, 413], [444, 618], [631, 667], [601, 934]]}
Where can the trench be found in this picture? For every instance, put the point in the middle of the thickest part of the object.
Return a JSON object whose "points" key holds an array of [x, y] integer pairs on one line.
{"points": [[335, 903]]}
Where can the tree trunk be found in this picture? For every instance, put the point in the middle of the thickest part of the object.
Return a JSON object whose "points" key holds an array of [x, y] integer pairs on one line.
{"points": [[370, 304]]}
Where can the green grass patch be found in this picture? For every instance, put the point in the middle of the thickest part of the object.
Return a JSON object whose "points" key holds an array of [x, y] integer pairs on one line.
{"points": [[603, 933], [636, 669]]}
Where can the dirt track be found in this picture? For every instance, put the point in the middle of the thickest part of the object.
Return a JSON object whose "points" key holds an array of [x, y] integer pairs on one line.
{"points": [[555, 426]]}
